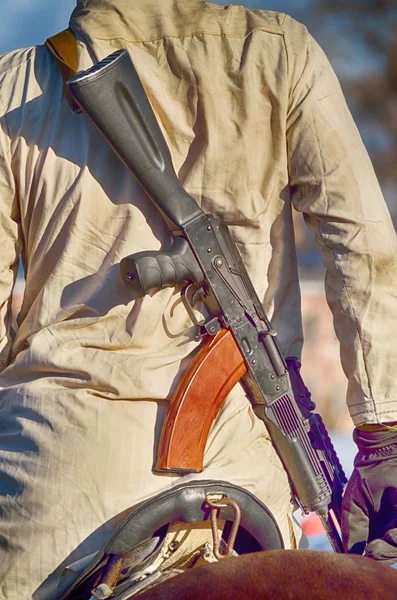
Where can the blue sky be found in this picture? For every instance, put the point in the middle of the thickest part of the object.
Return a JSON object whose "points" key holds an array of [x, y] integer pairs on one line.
{"points": [[29, 22]]}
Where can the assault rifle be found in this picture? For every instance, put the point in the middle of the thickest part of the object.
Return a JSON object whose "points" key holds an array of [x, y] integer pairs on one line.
{"points": [[239, 342]]}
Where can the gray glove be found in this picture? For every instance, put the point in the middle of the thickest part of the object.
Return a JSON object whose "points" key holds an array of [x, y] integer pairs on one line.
{"points": [[369, 507]]}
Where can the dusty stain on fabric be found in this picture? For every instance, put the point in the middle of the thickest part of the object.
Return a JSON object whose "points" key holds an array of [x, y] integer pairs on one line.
{"points": [[385, 268]]}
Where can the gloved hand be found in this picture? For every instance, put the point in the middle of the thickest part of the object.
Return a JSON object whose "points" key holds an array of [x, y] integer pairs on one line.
{"points": [[369, 507]]}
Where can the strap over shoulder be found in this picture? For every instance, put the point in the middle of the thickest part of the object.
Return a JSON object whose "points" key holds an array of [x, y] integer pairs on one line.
{"points": [[63, 46]]}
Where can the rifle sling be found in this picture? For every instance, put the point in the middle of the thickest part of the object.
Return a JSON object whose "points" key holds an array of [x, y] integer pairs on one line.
{"points": [[63, 46]]}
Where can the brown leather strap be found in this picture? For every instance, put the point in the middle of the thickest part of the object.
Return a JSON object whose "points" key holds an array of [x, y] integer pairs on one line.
{"points": [[63, 46]]}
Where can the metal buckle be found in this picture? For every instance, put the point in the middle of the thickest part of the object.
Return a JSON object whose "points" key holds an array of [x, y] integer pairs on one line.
{"points": [[215, 506]]}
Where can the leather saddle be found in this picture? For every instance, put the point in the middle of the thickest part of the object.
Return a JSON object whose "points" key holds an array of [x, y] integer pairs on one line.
{"points": [[187, 502]]}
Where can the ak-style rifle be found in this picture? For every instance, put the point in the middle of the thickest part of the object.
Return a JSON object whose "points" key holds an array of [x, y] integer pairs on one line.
{"points": [[239, 342]]}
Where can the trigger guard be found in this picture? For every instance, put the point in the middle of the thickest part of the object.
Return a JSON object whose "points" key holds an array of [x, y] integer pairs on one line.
{"points": [[189, 305]]}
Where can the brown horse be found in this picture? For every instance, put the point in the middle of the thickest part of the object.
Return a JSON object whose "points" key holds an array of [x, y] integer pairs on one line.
{"points": [[282, 574]]}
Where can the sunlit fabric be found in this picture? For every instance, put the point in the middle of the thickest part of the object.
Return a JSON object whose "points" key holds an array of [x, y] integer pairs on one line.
{"points": [[257, 125]]}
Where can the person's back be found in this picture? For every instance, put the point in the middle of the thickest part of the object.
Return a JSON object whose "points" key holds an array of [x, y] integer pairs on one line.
{"points": [[85, 382]]}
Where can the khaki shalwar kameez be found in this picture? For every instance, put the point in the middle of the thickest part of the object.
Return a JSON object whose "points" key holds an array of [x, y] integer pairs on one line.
{"points": [[256, 124]]}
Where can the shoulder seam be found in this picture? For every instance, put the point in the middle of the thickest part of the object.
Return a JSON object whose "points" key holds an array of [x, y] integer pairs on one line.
{"points": [[190, 35], [286, 48]]}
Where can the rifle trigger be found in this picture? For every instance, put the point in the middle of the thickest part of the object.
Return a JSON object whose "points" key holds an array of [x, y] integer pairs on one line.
{"points": [[196, 295]]}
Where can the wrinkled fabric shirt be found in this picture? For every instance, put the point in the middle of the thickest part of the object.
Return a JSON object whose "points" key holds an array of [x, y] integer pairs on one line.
{"points": [[257, 126]]}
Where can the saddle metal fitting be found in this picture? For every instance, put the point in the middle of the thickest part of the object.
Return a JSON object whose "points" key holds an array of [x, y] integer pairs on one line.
{"points": [[215, 505]]}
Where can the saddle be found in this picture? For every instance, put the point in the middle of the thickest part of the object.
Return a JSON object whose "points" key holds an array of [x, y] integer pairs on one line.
{"points": [[133, 559]]}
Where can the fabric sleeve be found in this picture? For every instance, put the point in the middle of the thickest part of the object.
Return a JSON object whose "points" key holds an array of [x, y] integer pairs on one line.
{"points": [[334, 185], [9, 243]]}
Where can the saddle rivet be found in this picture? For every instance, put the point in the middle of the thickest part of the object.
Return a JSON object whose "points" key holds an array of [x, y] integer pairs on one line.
{"points": [[173, 546]]}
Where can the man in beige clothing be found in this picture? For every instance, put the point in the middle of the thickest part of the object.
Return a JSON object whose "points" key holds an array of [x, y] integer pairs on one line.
{"points": [[256, 124]]}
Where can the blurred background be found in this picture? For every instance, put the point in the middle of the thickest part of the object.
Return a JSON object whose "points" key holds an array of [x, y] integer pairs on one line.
{"points": [[360, 40]]}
